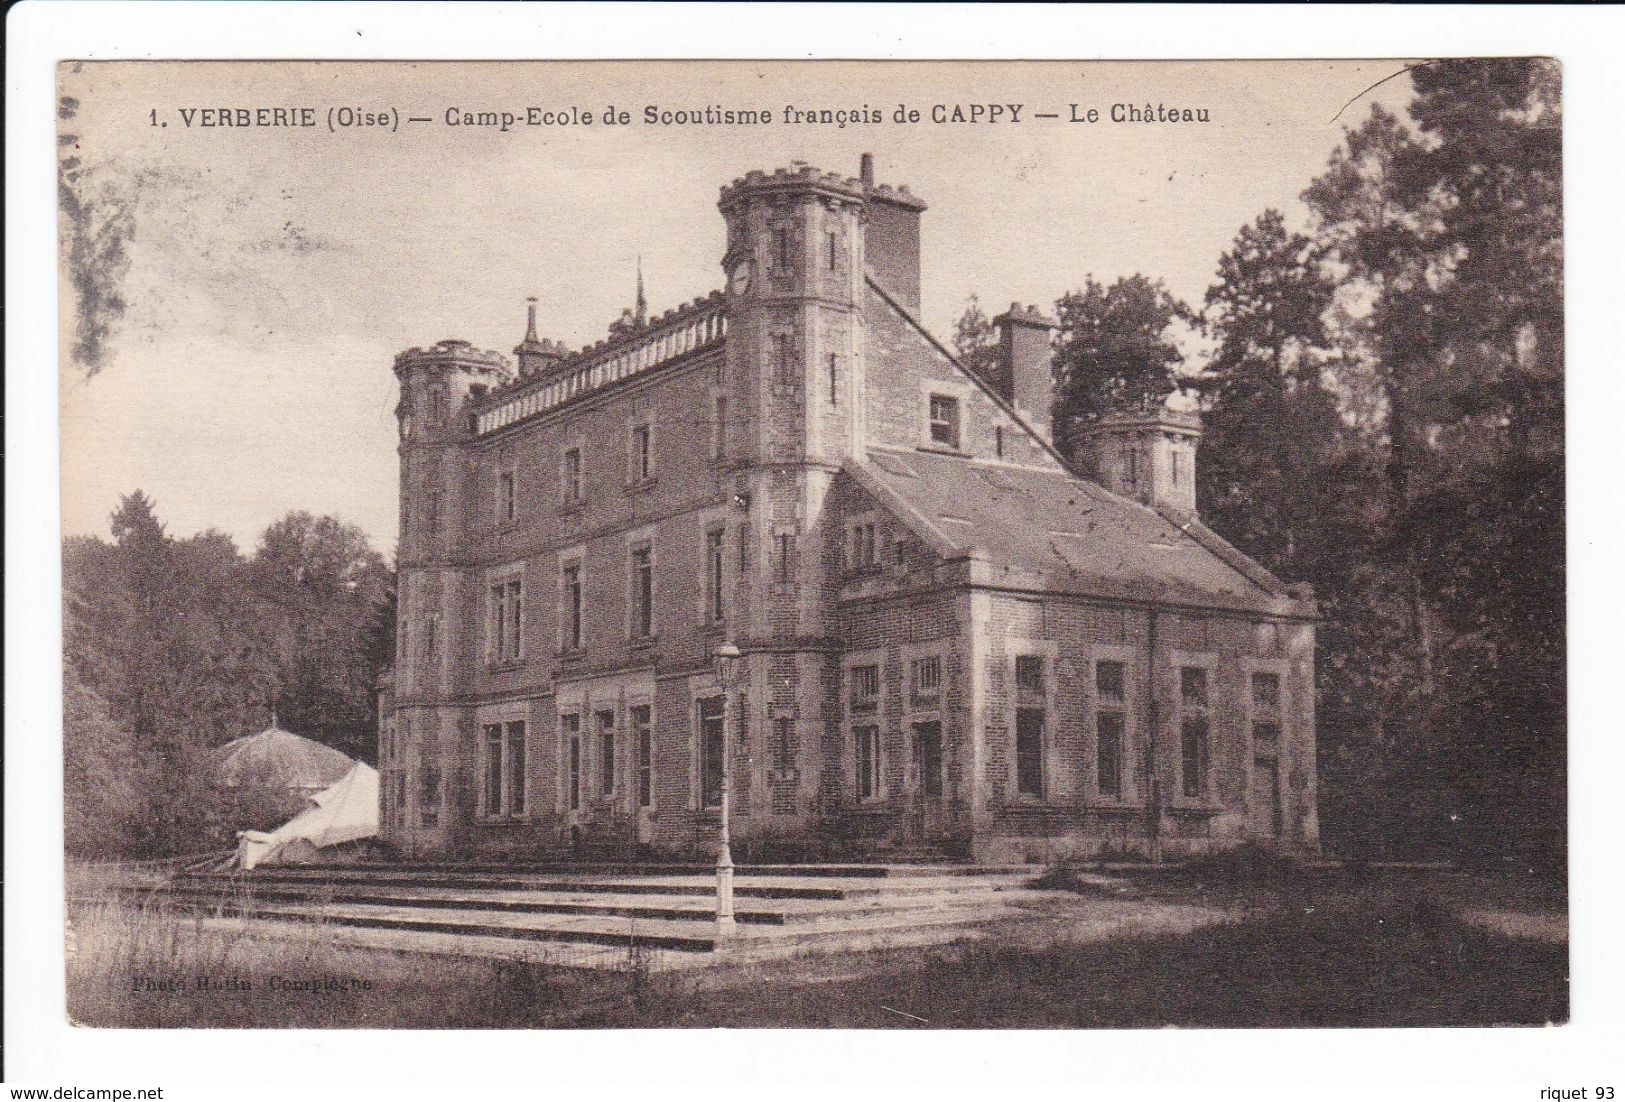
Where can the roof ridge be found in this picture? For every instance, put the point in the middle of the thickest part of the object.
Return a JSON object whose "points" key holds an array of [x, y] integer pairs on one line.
{"points": [[983, 384]]}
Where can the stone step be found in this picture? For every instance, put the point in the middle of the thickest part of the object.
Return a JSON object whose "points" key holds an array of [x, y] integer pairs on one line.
{"points": [[778, 887], [899, 866], [784, 912], [830, 930]]}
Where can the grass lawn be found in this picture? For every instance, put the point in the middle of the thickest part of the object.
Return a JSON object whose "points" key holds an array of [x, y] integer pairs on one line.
{"points": [[1303, 950]]}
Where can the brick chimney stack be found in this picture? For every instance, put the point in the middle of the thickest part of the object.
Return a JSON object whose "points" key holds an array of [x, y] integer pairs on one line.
{"points": [[1023, 371], [891, 235]]}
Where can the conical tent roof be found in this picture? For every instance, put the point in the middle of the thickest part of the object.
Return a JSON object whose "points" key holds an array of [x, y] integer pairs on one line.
{"points": [[279, 759]]}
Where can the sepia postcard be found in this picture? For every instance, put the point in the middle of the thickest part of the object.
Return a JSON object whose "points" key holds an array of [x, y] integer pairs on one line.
{"points": [[839, 544]]}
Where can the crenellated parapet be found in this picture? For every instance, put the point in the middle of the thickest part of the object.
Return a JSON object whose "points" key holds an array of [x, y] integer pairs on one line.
{"points": [[673, 335], [800, 178], [455, 353]]}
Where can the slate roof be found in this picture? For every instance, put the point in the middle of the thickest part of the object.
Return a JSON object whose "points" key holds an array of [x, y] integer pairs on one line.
{"points": [[1053, 530]]}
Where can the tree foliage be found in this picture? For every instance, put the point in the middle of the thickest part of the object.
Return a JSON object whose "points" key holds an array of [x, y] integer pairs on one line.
{"points": [[175, 646], [1117, 349]]}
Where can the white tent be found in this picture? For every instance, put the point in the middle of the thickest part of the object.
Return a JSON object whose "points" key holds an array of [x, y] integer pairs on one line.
{"points": [[346, 812]]}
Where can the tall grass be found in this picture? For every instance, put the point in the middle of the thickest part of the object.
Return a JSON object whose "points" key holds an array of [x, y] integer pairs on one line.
{"points": [[147, 963]]}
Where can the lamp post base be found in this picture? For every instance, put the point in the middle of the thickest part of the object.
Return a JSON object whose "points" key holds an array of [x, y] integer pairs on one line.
{"points": [[725, 898]]}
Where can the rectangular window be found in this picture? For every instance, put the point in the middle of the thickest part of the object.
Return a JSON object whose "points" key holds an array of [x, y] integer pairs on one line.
{"points": [[713, 576], [437, 406], [1267, 693], [570, 728], [1266, 713], [832, 247], [1030, 751], [431, 635], [515, 761], [571, 476], [1111, 723], [719, 431], [493, 769], [1193, 687], [1131, 468], [642, 453], [784, 364], [860, 547], [507, 620], [434, 510], [834, 380], [643, 592], [787, 556], [865, 688], [606, 752], [1109, 682], [781, 248], [711, 752], [1178, 466], [507, 497], [429, 796], [1193, 730], [1109, 752], [998, 441], [783, 728], [945, 420], [643, 739], [928, 758], [1030, 673], [1193, 753], [572, 606], [867, 740], [925, 678]]}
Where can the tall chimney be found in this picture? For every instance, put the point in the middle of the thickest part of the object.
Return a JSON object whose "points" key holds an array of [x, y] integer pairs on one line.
{"points": [[1024, 372], [891, 236]]}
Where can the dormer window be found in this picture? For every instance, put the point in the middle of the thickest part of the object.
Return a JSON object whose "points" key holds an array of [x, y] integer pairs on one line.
{"points": [[944, 411]]}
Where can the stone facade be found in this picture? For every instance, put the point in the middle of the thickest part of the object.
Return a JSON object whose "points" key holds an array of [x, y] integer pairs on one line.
{"points": [[952, 641]]}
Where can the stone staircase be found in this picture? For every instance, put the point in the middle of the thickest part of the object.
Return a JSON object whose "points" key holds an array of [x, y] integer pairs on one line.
{"points": [[498, 909]]}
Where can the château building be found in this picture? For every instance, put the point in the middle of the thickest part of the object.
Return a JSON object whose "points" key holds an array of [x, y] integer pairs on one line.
{"points": [[952, 640]]}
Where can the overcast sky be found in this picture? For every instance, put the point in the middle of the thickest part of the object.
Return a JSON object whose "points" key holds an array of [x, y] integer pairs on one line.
{"points": [[275, 272]]}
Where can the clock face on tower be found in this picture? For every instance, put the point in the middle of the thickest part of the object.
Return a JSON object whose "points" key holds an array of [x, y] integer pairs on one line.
{"points": [[739, 277]]}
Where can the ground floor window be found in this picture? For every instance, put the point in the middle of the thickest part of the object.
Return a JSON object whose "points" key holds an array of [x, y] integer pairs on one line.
{"points": [[429, 796], [711, 752], [570, 726], [606, 752], [928, 757], [504, 768], [1109, 753], [867, 740], [1030, 751], [1193, 754], [643, 738]]}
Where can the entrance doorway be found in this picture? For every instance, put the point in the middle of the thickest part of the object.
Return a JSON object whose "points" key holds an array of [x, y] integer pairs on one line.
{"points": [[928, 779]]}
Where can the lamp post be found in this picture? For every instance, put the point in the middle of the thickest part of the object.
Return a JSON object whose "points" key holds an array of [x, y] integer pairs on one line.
{"points": [[725, 660]]}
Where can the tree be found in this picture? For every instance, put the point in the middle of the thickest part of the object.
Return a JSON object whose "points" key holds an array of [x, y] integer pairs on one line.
{"points": [[320, 587], [1447, 248], [975, 343], [1117, 350], [1268, 422], [174, 646]]}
